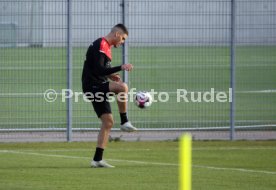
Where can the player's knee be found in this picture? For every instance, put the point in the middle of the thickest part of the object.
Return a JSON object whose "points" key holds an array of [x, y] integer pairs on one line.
{"points": [[124, 87], [108, 123]]}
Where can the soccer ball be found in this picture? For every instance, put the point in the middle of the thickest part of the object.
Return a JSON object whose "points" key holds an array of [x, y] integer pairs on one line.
{"points": [[143, 99]]}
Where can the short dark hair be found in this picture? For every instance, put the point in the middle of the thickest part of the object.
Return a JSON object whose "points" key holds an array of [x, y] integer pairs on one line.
{"points": [[122, 27]]}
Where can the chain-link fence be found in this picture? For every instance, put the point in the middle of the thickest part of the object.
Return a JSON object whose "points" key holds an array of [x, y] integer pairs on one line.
{"points": [[211, 65]]}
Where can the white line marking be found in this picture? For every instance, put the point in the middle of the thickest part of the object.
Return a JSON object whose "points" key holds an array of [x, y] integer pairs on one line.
{"points": [[141, 162], [235, 169], [40, 154]]}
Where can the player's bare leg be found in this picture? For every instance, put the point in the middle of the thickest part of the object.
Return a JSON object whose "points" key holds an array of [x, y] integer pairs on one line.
{"points": [[121, 89], [107, 123]]}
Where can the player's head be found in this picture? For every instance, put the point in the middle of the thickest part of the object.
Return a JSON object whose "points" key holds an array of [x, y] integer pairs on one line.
{"points": [[120, 34]]}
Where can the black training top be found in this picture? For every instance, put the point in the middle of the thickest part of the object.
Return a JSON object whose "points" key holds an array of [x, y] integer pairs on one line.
{"points": [[97, 65]]}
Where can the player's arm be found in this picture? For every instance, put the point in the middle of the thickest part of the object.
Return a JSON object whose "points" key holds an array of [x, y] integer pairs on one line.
{"points": [[104, 71]]}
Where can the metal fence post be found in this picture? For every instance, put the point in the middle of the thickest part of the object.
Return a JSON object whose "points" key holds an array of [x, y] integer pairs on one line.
{"points": [[125, 46], [232, 77], [69, 70]]}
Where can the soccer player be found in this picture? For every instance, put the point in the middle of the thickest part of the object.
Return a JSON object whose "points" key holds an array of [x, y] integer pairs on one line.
{"points": [[99, 77]]}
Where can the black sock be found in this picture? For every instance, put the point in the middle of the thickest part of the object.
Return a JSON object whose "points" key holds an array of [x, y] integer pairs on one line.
{"points": [[123, 118], [98, 154]]}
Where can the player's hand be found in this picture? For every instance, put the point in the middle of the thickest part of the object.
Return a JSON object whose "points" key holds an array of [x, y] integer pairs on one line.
{"points": [[127, 67], [115, 77]]}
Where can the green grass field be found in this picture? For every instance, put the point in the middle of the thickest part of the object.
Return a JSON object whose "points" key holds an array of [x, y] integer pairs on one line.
{"points": [[217, 165], [31, 71]]}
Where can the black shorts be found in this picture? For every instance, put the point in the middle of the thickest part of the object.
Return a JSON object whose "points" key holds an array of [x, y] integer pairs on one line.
{"points": [[99, 101]]}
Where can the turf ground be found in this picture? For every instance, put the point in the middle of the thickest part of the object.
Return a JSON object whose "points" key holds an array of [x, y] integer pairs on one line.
{"points": [[25, 74], [240, 165]]}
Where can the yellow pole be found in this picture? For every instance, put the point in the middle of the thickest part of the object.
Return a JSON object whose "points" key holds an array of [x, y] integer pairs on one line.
{"points": [[185, 162]]}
